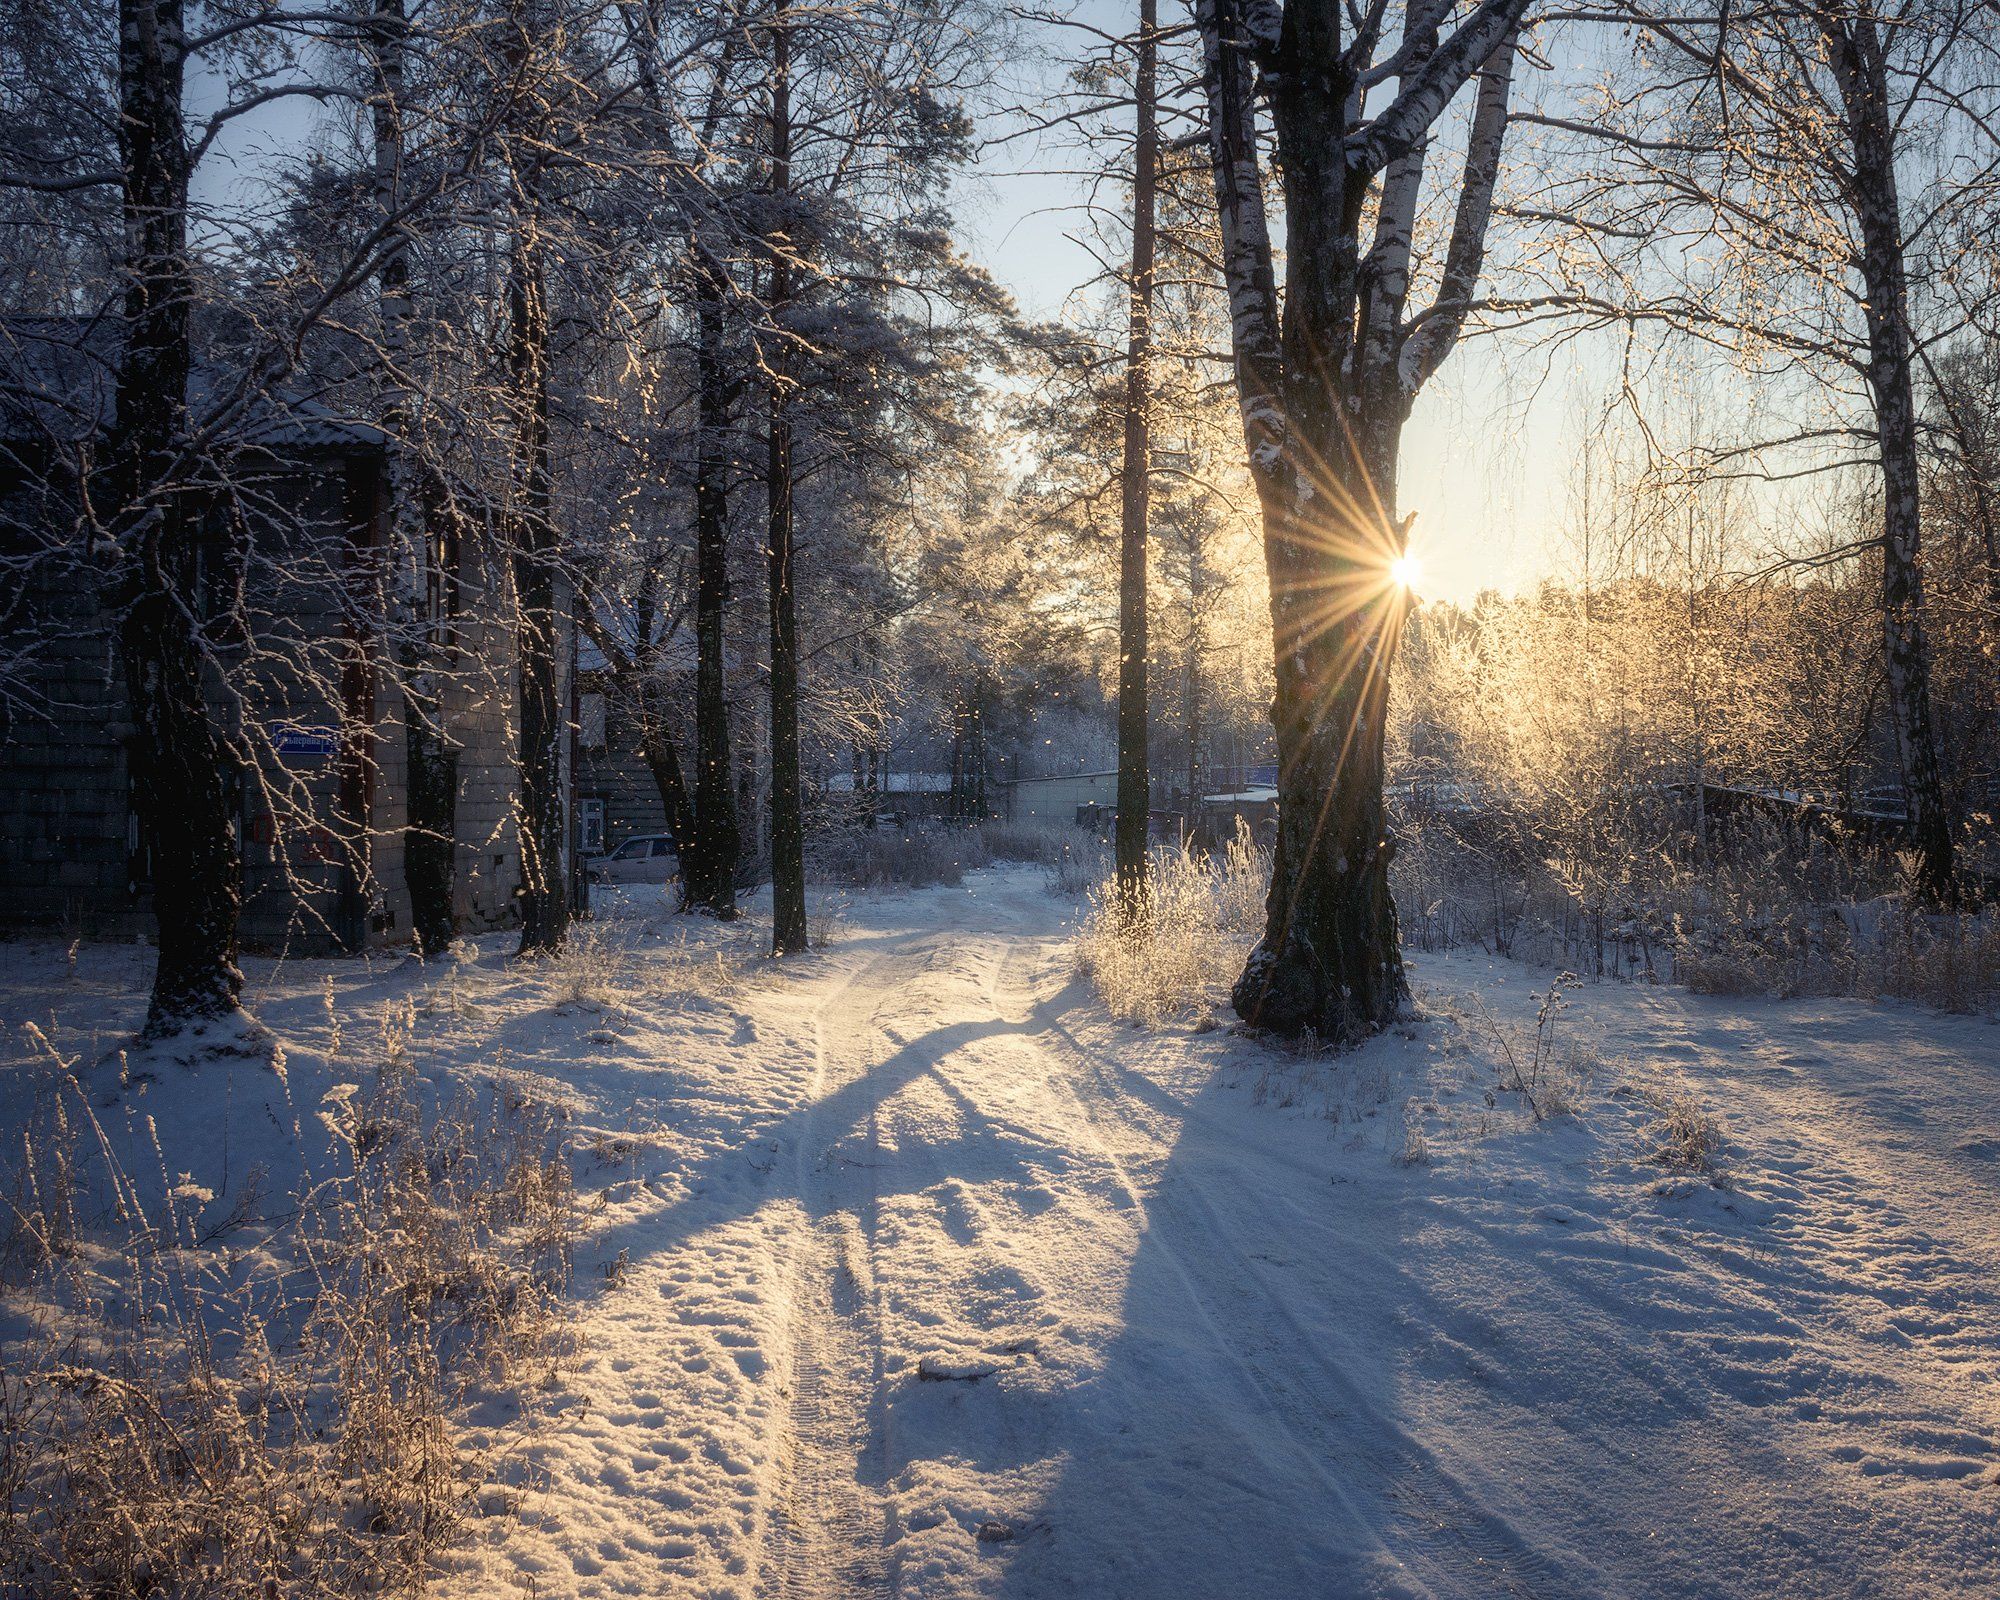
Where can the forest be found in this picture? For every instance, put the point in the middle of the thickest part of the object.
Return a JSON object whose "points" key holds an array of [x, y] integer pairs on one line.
{"points": [[825, 797]]}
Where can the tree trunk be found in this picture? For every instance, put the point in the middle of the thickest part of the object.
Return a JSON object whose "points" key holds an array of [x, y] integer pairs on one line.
{"points": [[1330, 963], [663, 760], [180, 769], [1855, 50], [416, 591], [538, 584], [708, 856], [978, 774], [788, 849], [1134, 775], [1191, 689], [1324, 387]]}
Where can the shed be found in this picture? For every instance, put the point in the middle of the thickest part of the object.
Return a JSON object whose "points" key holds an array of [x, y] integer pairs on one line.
{"points": [[1061, 797]]}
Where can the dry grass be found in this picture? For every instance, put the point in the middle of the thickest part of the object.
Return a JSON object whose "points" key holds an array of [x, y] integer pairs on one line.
{"points": [[240, 1406], [594, 970], [1686, 1139], [697, 968], [1765, 915], [1549, 1070], [1189, 942], [1039, 843], [1079, 864]]}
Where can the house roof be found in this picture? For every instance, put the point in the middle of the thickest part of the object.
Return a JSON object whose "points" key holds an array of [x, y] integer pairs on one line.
{"points": [[1242, 797], [59, 383], [1067, 777]]}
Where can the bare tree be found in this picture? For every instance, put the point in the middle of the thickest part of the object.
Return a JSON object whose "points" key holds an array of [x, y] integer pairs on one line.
{"points": [[1134, 776], [788, 840], [1807, 186], [180, 768], [416, 582], [1325, 383], [540, 580]]}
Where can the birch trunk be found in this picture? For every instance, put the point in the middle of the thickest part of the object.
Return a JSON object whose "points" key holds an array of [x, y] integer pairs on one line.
{"points": [[1855, 50], [1324, 393]]}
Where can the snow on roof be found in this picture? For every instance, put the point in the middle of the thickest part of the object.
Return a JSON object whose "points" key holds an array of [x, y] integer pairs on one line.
{"points": [[59, 379], [1066, 777], [1241, 797]]}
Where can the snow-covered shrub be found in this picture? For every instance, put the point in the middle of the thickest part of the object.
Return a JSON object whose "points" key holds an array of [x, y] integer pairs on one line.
{"points": [[1042, 843], [242, 1405], [1686, 1138], [1942, 959], [892, 858], [1179, 957], [1763, 909], [1079, 864], [1742, 946], [826, 921]]}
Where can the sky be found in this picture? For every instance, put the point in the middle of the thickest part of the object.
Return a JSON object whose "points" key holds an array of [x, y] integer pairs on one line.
{"points": [[1484, 450]]}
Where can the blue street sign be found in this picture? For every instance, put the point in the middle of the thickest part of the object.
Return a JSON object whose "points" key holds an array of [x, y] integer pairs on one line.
{"points": [[296, 743]]}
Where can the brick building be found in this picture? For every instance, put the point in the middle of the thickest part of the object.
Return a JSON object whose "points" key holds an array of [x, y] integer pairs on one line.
{"points": [[299, 688]]}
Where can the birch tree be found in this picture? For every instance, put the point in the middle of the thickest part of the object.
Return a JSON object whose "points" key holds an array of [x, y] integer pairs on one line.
{"points": [[1325, 378]]}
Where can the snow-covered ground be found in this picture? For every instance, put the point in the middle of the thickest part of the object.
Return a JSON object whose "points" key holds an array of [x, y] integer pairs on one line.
{"points": [[911, 1273]]}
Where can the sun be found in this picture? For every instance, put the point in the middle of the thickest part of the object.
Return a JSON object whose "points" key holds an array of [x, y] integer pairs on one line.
{"points": [[1406, 572]]}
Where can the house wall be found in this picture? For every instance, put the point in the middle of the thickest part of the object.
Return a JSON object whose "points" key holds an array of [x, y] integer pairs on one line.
{"points": [[1056, 799], [309, 580], [64, 792], [625, 784], [62, 760]]}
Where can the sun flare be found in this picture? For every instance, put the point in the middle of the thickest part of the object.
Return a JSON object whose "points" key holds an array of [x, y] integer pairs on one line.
{"points": [[1407, 573]]}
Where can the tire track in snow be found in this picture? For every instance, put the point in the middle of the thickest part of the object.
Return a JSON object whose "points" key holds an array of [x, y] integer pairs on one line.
{"points": [[829, 1532]]}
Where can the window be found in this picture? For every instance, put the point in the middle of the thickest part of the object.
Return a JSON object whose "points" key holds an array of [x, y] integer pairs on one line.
{"points": [[590, 826], [663, 847], [590, 721], [632, 850]]}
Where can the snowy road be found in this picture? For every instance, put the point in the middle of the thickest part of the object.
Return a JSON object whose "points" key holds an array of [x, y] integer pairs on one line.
{"points": [[939, 1283]]}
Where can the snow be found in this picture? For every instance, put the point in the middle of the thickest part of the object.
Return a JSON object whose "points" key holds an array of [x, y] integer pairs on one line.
{"points": [[1242, 797], [936, 1281]]}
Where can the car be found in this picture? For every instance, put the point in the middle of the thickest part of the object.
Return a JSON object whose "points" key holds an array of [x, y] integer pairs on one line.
{"points": [[644, 858]]}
